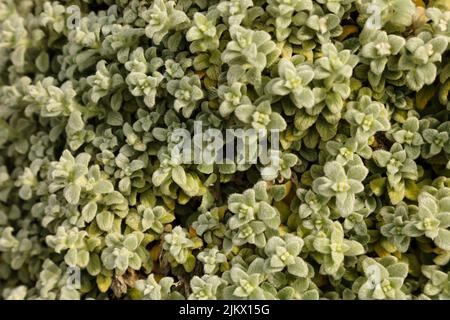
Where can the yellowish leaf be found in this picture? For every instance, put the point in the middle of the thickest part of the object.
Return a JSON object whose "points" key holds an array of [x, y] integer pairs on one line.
{"points": [[381, 252], [443, 92], [425, 95], [103, 282], [348, 30], [155, 251]]}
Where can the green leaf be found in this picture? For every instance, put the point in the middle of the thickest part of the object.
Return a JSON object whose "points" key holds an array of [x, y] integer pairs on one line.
{"points": [[179, 176], [72, 193], [303, 121], [114, 119], [244, 113], [381, 157], [266, 211], [299, 268], [43, 61], [378, 186], [443, 239], [105, 220], [75, 121], [325, 130], [94, 266], [277, 122], [189, 265], [355, 248], [89, 211], [103, 186]]}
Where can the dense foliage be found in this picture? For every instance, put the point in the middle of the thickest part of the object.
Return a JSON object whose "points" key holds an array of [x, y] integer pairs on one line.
{"points": [[93, 94]]}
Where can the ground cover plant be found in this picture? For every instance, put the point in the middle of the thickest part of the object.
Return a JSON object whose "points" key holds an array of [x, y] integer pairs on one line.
{"points": [[113, 115]]}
